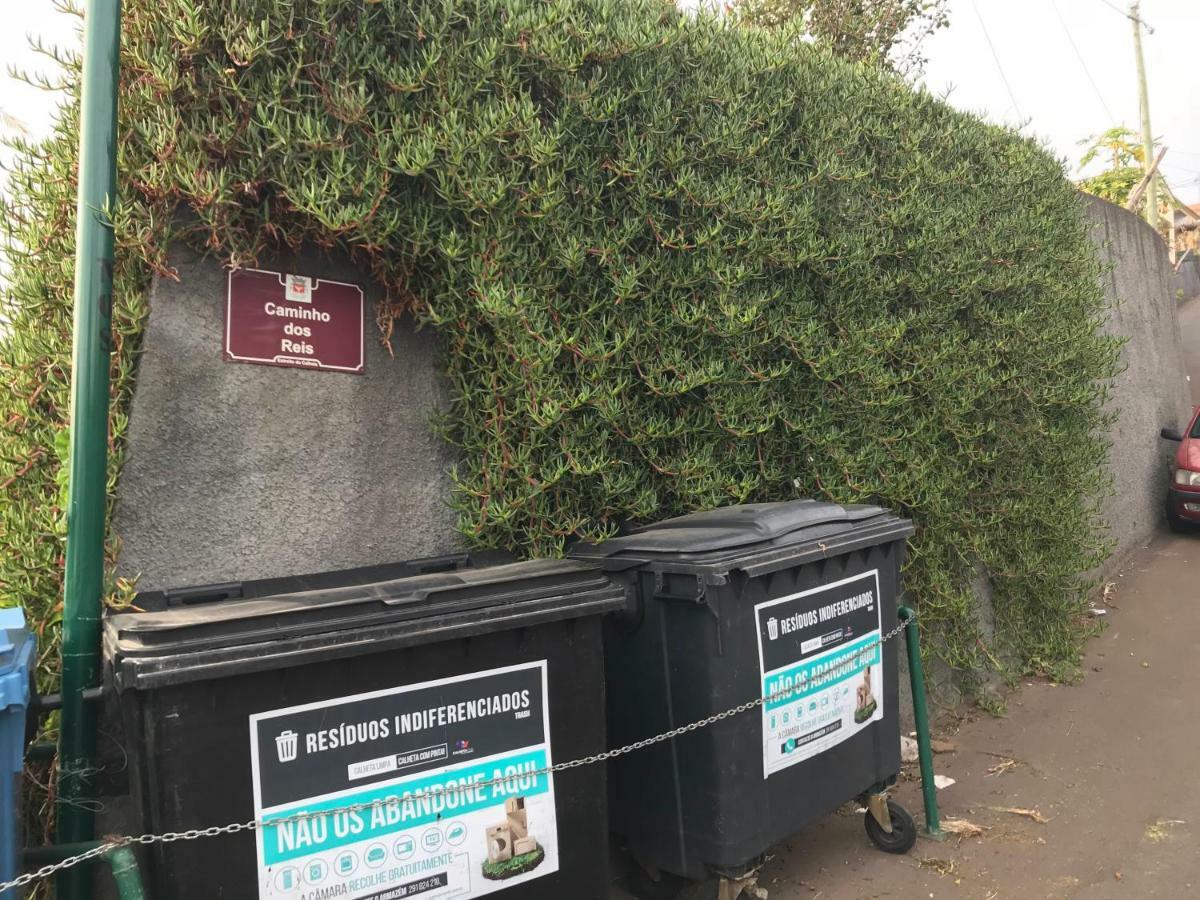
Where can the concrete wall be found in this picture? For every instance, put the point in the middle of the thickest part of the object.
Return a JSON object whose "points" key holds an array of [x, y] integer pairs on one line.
{"points": [[238, 471], [1152, 391], [1187, 279]]}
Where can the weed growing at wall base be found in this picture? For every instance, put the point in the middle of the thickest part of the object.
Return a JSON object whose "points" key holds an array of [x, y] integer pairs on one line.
{"points": [[672, 265]]}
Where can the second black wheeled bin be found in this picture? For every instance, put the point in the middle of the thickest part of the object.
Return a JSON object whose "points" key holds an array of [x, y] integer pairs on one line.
{"points": [[398, 731], [783, 600]]}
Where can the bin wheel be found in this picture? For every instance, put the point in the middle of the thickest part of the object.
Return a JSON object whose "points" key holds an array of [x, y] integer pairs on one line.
{"points": [[904, 830]]}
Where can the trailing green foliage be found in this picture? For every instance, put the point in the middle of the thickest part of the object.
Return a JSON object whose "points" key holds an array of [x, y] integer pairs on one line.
{"points": [[38, 238], [673, 264]]}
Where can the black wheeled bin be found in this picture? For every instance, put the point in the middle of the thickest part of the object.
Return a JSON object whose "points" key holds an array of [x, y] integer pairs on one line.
{"points": [[773, 599], [408, 698]]}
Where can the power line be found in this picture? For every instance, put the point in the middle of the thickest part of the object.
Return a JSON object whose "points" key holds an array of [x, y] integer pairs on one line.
{"points": [[1079, 56], [1000, 68]]}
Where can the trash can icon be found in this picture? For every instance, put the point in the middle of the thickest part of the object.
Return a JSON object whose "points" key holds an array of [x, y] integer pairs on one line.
{"points": [[285, 745], [773, 628]]}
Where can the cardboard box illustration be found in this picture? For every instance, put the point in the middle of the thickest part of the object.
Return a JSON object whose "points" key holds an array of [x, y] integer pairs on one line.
{"points": [[510, 840], [500, 843], [518, 822]]}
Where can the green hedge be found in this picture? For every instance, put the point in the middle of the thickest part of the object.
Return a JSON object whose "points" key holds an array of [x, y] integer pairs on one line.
{"points": [[674, 265]]}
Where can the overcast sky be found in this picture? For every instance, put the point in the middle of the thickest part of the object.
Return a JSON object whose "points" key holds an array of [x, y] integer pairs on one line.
{"points": [[22, 19], [1049, 91], [1049, 78]]}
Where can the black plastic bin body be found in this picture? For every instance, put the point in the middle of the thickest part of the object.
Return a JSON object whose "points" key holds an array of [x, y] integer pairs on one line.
{"points": [[703, 589], [201, 690]]}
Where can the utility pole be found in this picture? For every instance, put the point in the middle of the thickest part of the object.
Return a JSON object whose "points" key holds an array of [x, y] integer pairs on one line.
{"points": [[1147, 137]]}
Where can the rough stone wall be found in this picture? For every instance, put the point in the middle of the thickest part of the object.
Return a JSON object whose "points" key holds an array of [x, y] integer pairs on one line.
{"points": [[238, 471], [1187, 279], [1152, 391]]}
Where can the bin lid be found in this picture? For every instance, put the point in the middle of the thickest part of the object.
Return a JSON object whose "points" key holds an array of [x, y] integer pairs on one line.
{"points": [[749, 536], [213, 640], [192, 595], [16, 657]]}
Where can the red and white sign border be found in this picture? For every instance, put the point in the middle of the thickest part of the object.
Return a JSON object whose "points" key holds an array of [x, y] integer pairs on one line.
{"points": [[294, 362]]}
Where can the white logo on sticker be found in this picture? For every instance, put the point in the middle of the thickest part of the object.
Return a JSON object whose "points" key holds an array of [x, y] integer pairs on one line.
{"points": [[286, 745], [772, 628], [299, 289]]}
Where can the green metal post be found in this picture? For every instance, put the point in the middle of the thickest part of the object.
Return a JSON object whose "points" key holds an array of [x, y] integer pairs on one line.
{"points": [[125, 873], [121, 862], [916, 674], [89, 427]]}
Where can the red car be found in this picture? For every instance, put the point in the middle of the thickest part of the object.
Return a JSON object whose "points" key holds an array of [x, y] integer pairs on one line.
{"points": [[1183, 494]]}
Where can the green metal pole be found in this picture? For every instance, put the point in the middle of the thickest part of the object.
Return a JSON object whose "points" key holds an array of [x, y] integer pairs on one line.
{"points": [[121, 861], [916, 674], [125, 873], [86, 506]]}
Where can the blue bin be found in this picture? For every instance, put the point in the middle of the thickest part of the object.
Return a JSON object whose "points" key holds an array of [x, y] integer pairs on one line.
{"points": [[16, 675]]}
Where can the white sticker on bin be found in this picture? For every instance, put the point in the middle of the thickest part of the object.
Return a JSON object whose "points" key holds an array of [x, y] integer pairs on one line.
{"points": [[400, 749], [819, 650]]}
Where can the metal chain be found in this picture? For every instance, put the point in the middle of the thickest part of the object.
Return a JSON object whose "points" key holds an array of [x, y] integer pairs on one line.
{"points": [[236, 827]]}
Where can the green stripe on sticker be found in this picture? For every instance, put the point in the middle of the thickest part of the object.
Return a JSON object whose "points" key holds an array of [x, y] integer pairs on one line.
{"points": [[402, 806], [816, 674]]}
